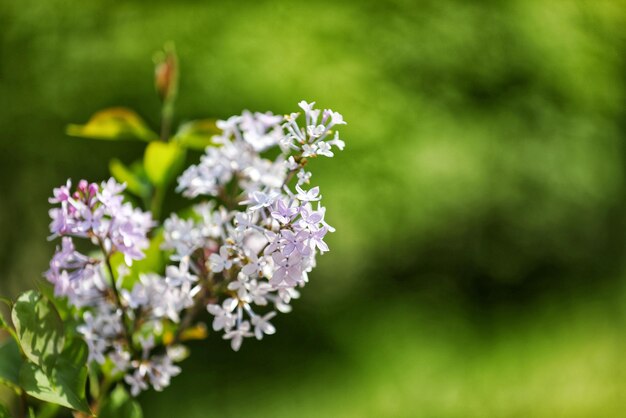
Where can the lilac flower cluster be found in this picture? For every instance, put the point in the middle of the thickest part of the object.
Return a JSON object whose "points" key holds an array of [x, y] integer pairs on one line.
{"points": [[98, 213], [242, 254], [260, 254]]}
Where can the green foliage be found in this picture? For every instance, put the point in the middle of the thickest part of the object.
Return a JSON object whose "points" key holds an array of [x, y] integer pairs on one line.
{"points": [[154, 260], [134, 177], [113, 124], [4, 412], [196, 134], [120, 405], [39, 328], [61, 305], [65, 383], [10, 363], [53, 371], [162, 161]]}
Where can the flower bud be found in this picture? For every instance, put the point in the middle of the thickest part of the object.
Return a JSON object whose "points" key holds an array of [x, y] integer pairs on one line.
{"points": [[82, 186], [166, 73]]}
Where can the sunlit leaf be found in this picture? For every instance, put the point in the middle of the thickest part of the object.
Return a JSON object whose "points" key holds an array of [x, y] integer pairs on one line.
{"points": [[197, 134], [120, 405], [38, 328], [61, 304], [134, 183], [65, 383], [162, 161], [114, 123]]}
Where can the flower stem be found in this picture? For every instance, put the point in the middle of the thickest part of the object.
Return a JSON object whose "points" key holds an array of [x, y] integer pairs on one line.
{"points": [[116, 294], [157, 201]]}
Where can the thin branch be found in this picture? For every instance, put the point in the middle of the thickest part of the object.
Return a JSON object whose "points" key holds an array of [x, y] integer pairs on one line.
{"points": [[116, 293]]}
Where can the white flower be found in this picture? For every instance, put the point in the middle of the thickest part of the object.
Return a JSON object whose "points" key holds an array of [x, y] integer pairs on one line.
{"points": [[262, 325], [180, 235], [257, 200], [337, 142], [315, 131], [324, 149], [291, 163], [221, 261], [303, 176], [306, 107], [136, 382], [224, 319], [335, 117], [309, 150], [308, 196], [237, 335]]}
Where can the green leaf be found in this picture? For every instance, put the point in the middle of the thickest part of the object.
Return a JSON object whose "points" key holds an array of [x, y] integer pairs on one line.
{"points": [[113, 124], [154, 261], [65, 383], [10, 362], [134, 183], [48, 410], [120, 405], [38, 328], [197, 134], [61, 304], [162, 161], [4, 412]]}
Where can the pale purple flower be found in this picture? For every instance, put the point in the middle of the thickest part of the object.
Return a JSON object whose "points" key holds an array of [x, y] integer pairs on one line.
{"points": [[288, 271], [294, 241], [284, 212], [317, 239], [62, 193]]}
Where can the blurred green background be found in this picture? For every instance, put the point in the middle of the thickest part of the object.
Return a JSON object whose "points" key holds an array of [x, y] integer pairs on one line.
{"points": [[478, 265]]}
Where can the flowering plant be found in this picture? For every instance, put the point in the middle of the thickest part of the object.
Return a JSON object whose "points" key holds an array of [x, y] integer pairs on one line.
{"points": [[127, 290]]}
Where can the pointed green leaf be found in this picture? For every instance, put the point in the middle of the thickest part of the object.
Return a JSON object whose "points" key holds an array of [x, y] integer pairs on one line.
{"points": [[197, 134], [10, 362], [38, 328], [120, 405], [134, 183], [65, 383], [112, 124], [163, 161]]}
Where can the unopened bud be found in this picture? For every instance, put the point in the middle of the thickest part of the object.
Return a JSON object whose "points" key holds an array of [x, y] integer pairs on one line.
{"points": [[166, 73]]}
